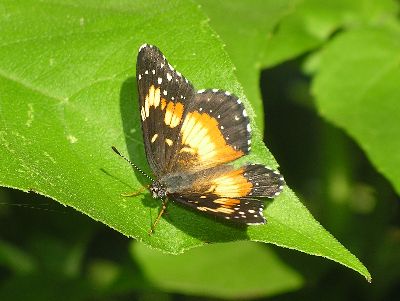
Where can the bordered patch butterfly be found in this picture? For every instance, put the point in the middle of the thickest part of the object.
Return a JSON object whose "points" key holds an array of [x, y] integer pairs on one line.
{"points": [[190, 136]]}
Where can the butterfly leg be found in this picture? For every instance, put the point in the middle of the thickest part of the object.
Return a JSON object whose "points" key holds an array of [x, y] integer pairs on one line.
{"points": [[162, 211], [135, 193]]}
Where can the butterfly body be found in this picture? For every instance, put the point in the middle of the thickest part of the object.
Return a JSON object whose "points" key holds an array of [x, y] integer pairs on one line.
{"points": [[190, 137]]}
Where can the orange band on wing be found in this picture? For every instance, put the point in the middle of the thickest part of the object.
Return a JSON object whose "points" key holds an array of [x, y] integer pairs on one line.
{"points": [[173, 111], [163, 103], [152, 99], [232, 184], [173, 114], [200, 132], [226, 202], [226, 205]]}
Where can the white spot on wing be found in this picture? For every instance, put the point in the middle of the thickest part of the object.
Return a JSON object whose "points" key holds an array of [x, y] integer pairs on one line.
{"points": [[141, 47], [168, 141], [154, 138]]}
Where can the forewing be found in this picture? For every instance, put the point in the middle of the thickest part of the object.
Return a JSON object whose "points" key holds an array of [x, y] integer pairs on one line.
{"points": [[164, 95]]}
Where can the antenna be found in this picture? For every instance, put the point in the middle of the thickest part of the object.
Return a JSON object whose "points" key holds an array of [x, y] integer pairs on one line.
{"points": [[129, 161]]}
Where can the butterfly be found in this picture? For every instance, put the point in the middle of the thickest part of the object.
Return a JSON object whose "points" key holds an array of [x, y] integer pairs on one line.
{"points": [[190, 137]]}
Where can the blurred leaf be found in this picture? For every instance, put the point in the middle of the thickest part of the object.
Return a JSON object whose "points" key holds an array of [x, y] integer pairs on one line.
{"points": [[308, 23], [15, 259], [246, 27], [58, 256], [103, 273], [70, 67], [229, 270], [40, 286], [357, 88], [262, 33]]}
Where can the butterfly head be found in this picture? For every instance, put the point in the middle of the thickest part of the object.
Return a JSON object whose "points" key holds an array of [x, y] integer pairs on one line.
{"points": [[158, 190]]}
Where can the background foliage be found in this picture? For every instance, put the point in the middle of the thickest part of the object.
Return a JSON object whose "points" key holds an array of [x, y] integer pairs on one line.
{"points": [[322, 79]]}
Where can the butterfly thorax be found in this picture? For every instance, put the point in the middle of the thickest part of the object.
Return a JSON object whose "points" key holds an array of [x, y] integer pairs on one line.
{"points": [[172, 183]]}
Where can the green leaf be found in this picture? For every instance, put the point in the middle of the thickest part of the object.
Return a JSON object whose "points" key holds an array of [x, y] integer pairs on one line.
{"points": [[357, 88], [231, 270], [69, 93]]}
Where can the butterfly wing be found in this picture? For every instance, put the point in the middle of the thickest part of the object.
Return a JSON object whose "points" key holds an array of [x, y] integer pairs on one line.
{"points": [[231, 193], [215, 130], [164, 95], [184, 130]]}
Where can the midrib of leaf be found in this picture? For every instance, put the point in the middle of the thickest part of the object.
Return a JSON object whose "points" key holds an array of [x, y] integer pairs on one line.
{"points": [[377, 78], [28, 86]]}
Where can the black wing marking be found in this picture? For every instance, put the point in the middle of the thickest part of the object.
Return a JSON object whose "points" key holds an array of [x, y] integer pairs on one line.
{"points": [[265, 181], [163, 97]]}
